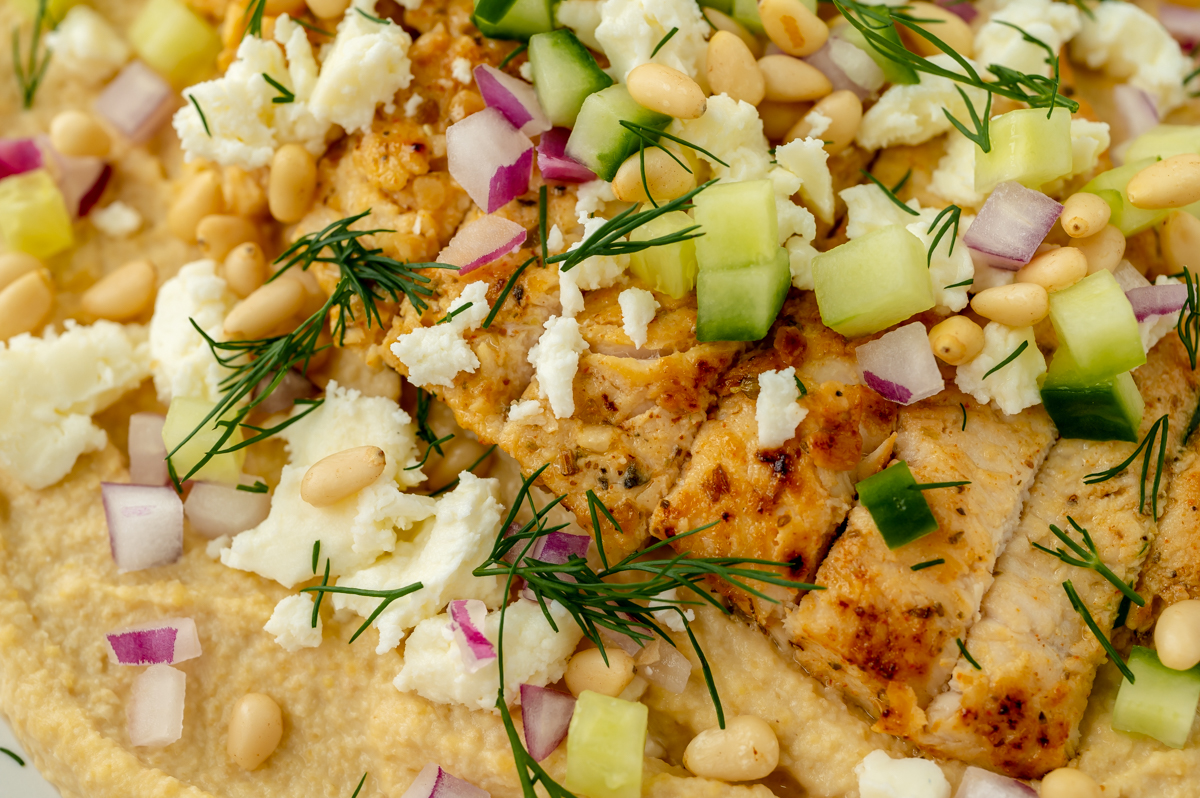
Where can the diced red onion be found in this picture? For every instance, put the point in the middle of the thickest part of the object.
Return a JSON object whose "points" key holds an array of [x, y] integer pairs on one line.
{"points": [[137, 102], [215, 510], [1157, 300], [433, 782], [980, 783], [512, 97], [147, 452], [555, 164], [829, 59], [145, 525], [466, 623], [1182, 23], [1011, 225], [1135, 109], [662, 664], [900, 366], [962, 8], [293, 386], [81, 180], [546, 716], [167, 641], [155, 711], [482, 241], [489, 158], [556, 548], [18, 156], [629, 645], [1128, 277]]}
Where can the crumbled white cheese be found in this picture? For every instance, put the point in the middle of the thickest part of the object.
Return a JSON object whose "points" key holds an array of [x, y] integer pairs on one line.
{"points": [[214, 547], [598, 271], [868, 209], [946, 268], [1088, 140], [183, 363], [555, 359], [526, 71], [582, 17], [591, 197], [460, 69], [818, 123], [440, 555], [291, 623], [1130, 44], [86, 45], [808, 160], [912, 114], [637, 311], [354, 531], [792, 219], [732, 130], [524, 410], [880, 776], [554, 240], [629, 30], [412, 104], [670, 617], [954, 178], [1015, 386], [435, 355], [800, 255], [52, 388], [1154, 328], [116, 220], [777, 410], [533, 654], [1052, 23]]}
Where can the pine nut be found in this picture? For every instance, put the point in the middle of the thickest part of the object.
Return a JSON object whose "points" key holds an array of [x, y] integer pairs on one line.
{"points": [[1170, 183], [1177, 635], [745, 749], [667, 91], [1084, 214], [1180, 237], [1068, 783], [843, 109], [255, 729], [948, 26], [200, 197], [342, 474], [732, 70], [245, 269], [728, 24], [588, 671], [779, 118], [789, 79], [292, 184], [1103, 250], [1055, 269], [244, 193], [665, 177], [24, 303], [274, 8], [1016, 305], [328, 9], [14, 265], [78, 134], [265, 309], [124, 293], [956, 340], [218, 234], [794, 29]]}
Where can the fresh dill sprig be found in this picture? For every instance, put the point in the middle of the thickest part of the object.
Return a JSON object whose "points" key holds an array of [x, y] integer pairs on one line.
{"points": [[203, 119], [358, 789], [1081, 608], [424, 404], [433, 445], [515, 52], [258, 487], [962, 284], [936, 485], [952, 214], [663, 41], [253, 16], [902, 182], [316, 610], [376, 20], [1088, 557], [964, 412], [1157, 430], [14, 756], [388, 597], [453, 313], [285, 94], [29, 76], [800, 387], [890, 193], [1188, 326], [311, 27], [962, 647], [543, 211], [1016, 353], [921, 566], [504, 292], [316, 557]]}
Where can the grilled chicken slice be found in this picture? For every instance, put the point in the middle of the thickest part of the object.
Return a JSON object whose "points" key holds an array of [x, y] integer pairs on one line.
{"points": [[884, 633], [1019, 712]]}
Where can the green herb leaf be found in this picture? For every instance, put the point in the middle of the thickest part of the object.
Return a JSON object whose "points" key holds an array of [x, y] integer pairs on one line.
{"points": [[964, 412], [29, 75], [889, 193], [14, 756], [952, 214], [1157, 431], [1016, 353], [921, 566], [316, 612], [199, 110], [902, 182], [959, 285], [935, 485], [453, 313], [358, 789], [663, 41], [1088, 557], [433, 445], [515, 52], [285, 94], [376, 20], [543, 210], [388, 597], [316, 555], [801, 388], [1079, 607], [253, 16], [504, 292], [962, 647], [1188, 326], [258, 487]]}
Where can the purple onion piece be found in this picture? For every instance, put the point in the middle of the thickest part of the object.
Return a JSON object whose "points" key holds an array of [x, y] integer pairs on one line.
{"points": [[293, 386], [962, 8], [557, 548], [155, 711], [555, 164], [824, 61], [1136, 110], [137, 102], [482, 241], [466, 623], [18, 156], [900, 366], [1182, 23], [980, 783], [145, 525], [489, 158], [433, 782], [545, 716], [512, 97], [662, 664], [510, 182], [215, 510], [1011, 226], [1157, 300], [147, 452]]}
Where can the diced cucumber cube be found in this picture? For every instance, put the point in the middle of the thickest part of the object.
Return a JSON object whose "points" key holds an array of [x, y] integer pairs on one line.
{"points": [[739, 223], [1095, 322], [599, 141], [33, 214], [525, 18], [872, 282], [183, 416], [741, 304], [746, 13], [670, 269], [1110, 186], [606, 743], [1027, 147], [896, 506], [893, 71], [1164, 141], [564, 74], [1161, 703], [1106, 409], [173, 40]]}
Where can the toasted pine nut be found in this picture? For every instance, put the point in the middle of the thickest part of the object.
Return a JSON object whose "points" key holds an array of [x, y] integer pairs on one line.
{"points": [[1055, 269], [124, 293], [274, 8], [245, 268], [266, 309], [292, 184], [946, 25], [1170, 183], [200, 197], [843, 110], [342, 474], [587, 671], [1016, 305], [1084, 214], [1180, 238], [779, 118], [666, 178], [732, 70], [666, 90], [14, 265], [728, 24], [1068, 783], [745, 749], [244, 193], [794, 29], [1177, 635], [255, 728], [24, 303], [956, 340], [1103, 250], [78, 134], [789, 79], [218, 234], [328, 9]]}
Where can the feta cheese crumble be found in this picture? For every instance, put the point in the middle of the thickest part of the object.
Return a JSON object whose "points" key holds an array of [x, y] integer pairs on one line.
{"points": [[808, 160], [598, 271], [412, 105], [951, 262], [555, 359], [582, 17], [954, 178], [1053, 23], [524, 410], [86, 45], [912, 114], [435, 355], [460, 69], [291, 623], [880, 776], [637, 311], [1014, 387], [777, 410], [116, 220], [182, 361], [733, 131], [629, 30], [591, 197], [868, 209]]}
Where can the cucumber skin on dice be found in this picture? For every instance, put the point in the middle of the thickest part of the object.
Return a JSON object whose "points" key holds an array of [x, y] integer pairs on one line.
{"points": [[1161, 703], [606, 746], [1095, 322], [1110, 186], [564, 75], [741, 304], [599, 141], [1027, 148], [523, 20], [1105, 409]]}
